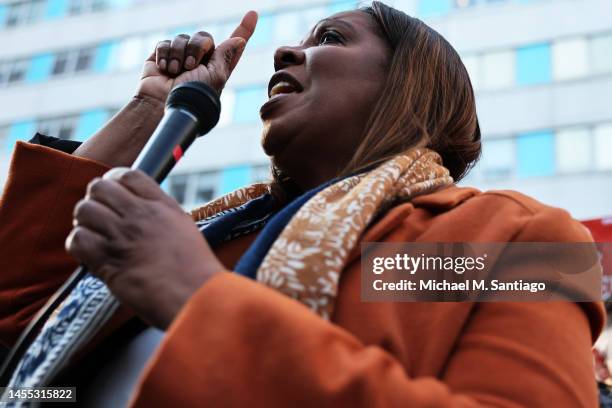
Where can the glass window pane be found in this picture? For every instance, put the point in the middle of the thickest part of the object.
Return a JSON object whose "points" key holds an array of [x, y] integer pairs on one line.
{"points": [[574, 147], [233, 178], [533, 64], [23, 130], [18, 70], [536, 154], [603, 146], [40, 68], [498, 70], [248, 102], [498, 159], [570, 58], [431, 8], [263, 32], [601, 54], [205, 187], [178, 187], [341, 5], [56, 8], [61, 63], [89, 123], [105, 59], [3, 13], [84, 59]]}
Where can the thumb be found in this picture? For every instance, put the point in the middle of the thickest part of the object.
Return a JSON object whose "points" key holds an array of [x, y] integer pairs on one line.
{"points": [[225, 57]]}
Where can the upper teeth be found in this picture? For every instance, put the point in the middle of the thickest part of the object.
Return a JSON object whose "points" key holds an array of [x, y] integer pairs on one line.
{"points": [[281, 87]]}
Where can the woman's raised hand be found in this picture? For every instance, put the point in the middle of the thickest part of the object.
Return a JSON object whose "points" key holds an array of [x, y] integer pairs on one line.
{"points": [[194, 58]]}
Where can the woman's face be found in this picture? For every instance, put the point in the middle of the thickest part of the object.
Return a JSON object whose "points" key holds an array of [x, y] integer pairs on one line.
{"points": [[321, 97]]}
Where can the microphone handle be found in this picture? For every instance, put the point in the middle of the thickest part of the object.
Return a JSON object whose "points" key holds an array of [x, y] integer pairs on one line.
{"points": [[176, 131], [174, 134]]}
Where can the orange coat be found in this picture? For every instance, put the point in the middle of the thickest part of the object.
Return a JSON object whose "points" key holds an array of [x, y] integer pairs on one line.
{"points": [[238, 343]]}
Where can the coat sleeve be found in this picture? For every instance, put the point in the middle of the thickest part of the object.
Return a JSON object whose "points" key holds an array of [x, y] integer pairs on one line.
{"points": [[42, 188], [238, 343]]}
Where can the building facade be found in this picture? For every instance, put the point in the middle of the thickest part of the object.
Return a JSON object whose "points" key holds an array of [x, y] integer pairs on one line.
{"points": [[541, 69]]}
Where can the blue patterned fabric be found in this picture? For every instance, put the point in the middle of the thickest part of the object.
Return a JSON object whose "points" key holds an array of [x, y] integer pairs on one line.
{"points": [[90, 304], [249, 262]]}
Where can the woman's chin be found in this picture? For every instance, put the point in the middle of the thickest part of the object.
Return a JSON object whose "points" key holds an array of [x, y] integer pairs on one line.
{"points": [[274, 139]]}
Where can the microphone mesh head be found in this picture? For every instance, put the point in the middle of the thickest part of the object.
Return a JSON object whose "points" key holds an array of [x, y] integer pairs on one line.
{"points": [[198, 99]]}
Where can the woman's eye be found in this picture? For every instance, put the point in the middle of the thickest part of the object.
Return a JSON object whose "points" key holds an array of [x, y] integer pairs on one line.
{"points": [[330, 37]]}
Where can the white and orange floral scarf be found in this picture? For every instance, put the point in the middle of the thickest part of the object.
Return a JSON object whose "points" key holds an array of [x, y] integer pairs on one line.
{"points": [[307, 258]]}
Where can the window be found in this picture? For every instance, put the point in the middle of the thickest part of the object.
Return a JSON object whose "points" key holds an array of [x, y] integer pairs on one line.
{"points": [[3, 9], [56, 8], [337, 6], [603, 146], [84, 58], [178, 187], [205, 187], [533, 64], [569, 58], [17, 71], [71, 61], [76, 7], [23, 130], [23, 12], [233, 178], [62, 127], [498, 159], [263, 32], [89, 123], [536, 154], [104, 57], [601, 55], [464, 3], [40, 68], [498, 70], [432, 8], [573, 148], [61, 63], [248, 102]]}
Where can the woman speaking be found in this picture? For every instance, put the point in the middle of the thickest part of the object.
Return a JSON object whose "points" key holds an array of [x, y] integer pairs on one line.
{"points": [[370, 120]]}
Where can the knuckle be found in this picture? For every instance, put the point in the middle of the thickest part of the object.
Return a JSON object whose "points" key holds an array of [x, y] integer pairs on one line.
{"points": [[80, 208], [95, 186], [182, 37], [204, 34], [165, 44]]}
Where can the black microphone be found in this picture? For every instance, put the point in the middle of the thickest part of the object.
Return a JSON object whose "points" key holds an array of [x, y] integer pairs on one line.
{"points": [[192, 110]]}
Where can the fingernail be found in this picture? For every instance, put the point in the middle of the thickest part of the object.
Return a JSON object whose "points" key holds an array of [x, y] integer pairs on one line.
{"points": [[174, 66], [162, 64], [189, 62]]}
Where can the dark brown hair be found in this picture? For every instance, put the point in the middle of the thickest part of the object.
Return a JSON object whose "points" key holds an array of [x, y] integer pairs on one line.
{"points": [[427, 100]]}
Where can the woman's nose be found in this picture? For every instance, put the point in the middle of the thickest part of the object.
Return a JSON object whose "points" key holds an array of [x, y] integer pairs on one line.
{"points": [[286, 56]]}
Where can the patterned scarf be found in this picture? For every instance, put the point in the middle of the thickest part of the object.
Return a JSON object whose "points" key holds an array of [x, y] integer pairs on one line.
{"points": [[300, 252], [306, 260]]}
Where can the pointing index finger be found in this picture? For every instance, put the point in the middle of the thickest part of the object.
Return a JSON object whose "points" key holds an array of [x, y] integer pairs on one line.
{"points": [[247, 26]]}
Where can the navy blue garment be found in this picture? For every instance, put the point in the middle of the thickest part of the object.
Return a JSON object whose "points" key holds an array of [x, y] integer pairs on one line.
{"points": [[238, 221], [249, 262]]}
